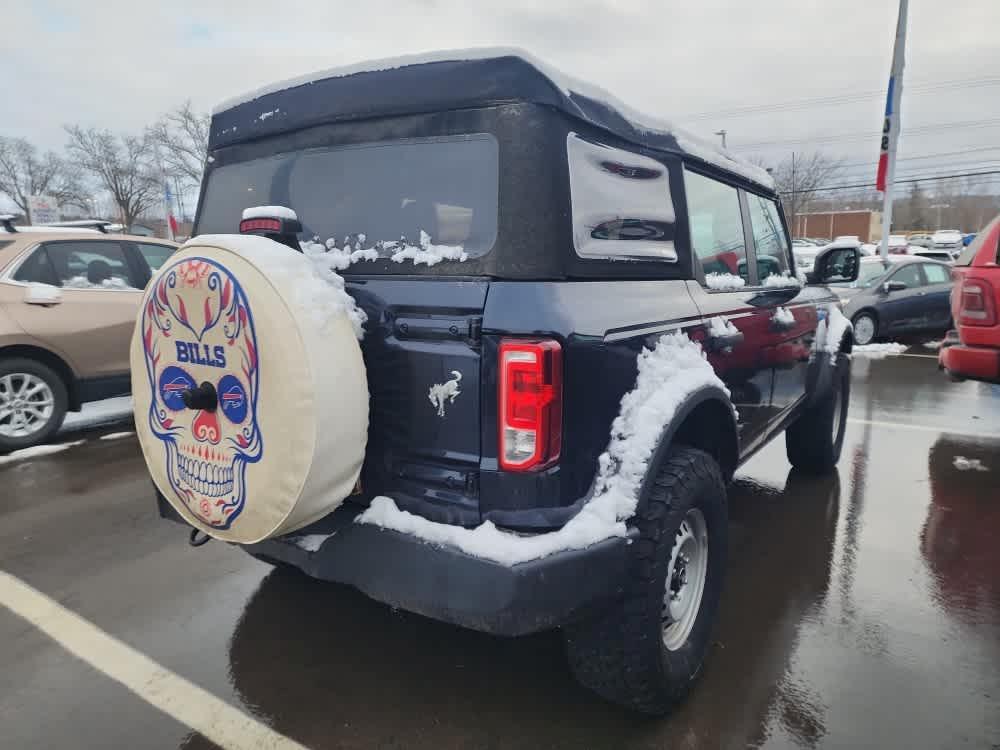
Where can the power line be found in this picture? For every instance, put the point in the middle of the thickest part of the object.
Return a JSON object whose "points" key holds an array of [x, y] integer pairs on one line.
{"points": [[963, 152], [835, 99], [916, 131], [827, 188]]}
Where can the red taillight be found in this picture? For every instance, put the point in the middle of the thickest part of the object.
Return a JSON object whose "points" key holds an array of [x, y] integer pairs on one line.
{"points": [[260, 225], [530, 404], [976, 305]]}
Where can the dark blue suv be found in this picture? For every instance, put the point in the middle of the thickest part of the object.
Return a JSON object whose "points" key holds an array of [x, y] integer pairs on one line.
{"points": [[585, 236]]}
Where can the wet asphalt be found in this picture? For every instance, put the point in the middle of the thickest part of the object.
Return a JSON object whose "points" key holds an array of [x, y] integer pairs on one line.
{"points": [[861, 610]]}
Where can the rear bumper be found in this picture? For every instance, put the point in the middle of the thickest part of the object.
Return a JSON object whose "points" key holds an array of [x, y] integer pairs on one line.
{"points": [[446, 584], [970, 362]]}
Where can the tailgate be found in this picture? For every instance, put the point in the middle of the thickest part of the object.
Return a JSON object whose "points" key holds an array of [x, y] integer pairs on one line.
{"points": [[422, 355]]}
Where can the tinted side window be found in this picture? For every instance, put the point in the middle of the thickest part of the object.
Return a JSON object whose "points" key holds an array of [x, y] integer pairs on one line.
{"points": [[155, 255], [89, 265], [716, 225], [621, 203], [909, 275], [38, 269], [937, 274], [768, 236]]}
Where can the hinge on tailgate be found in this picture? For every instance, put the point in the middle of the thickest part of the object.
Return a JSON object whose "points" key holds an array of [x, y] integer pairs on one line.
{"points": [[475, 328]]}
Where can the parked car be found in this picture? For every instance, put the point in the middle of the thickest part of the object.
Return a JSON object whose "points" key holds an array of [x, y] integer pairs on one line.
{"points": [[942, 256], [68, 302], [911, 298], [898, 244], [972, 351], [920, 239], [949, 240], [967, 239], [573, 256]]}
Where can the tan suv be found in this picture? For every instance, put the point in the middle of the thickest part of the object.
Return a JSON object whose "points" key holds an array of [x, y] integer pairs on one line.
{"points": [[68, 303]]}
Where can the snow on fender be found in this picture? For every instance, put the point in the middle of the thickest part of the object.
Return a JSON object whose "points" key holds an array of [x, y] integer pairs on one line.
{"points": [[277, 433]]}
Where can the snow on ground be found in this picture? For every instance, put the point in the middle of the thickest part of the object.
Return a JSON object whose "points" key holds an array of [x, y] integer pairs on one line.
{"points": [[932, 345], [724, 281], [879, 351], [37, 451], [667, 375], [99, 412], [117, 435], [968, 464], [784, 316], [721, 327]]}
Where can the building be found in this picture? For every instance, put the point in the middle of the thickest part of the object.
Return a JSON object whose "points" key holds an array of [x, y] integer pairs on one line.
{"points": [[864, 224]]}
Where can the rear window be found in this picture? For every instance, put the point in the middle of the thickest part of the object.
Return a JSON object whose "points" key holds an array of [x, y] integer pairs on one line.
{"points": [[372, 195]]}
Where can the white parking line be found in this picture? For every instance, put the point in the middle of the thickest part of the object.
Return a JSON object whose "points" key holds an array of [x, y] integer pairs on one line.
{"points": [[925, 428], [170, 693]]}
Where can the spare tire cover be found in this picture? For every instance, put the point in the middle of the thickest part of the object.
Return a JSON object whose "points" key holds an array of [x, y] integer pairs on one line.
{"points": [[285, 443]]}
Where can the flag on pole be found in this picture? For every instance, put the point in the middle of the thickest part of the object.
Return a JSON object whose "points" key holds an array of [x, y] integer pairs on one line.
{"points": [[891, 122], [168, 207], [887, 128]]}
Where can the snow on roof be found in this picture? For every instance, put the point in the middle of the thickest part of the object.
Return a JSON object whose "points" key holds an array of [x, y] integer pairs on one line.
{"points": [[570, 87]]}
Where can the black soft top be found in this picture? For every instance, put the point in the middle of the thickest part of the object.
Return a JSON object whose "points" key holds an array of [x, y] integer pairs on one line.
{"points": [[451, 81]]}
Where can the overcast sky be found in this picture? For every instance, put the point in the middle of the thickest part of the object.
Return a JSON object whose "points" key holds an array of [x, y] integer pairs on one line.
{"points": [[119, 63]]}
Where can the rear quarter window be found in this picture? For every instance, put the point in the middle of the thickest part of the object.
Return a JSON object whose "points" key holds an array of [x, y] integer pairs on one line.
{"points": [[621, 203]]}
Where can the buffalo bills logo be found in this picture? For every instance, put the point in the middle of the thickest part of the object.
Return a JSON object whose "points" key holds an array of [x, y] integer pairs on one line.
{"points": [[206, 452]]}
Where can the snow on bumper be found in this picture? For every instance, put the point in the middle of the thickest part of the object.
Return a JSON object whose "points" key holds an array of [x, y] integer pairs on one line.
{"points": [[446, 584]]}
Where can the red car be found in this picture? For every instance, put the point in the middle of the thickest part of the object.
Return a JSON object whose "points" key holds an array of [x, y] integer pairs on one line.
{"points": [[973, 351]]}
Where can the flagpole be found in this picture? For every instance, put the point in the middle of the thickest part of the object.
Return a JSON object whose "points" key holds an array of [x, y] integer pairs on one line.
{"points": [[890, 129]]}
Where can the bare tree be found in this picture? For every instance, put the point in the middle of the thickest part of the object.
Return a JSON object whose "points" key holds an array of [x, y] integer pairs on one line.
{"points": [[123, 165], [182, 138], [801, 178], [24, 172]]}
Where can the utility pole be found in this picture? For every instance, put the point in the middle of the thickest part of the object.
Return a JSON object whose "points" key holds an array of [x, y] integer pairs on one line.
{"points": [[939, 206], [722, 134], [890, 129]]}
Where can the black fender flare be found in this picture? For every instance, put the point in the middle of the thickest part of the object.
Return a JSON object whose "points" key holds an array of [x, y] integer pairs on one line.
{"points": [[725, 446], [820, 377]]}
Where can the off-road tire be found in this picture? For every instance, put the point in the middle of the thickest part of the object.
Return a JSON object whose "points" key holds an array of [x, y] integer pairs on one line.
{"points": [[813, 442], [620, 654], [59, 407]]}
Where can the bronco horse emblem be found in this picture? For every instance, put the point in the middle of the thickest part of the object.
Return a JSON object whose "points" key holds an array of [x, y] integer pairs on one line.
{"points": [[197, 327]]}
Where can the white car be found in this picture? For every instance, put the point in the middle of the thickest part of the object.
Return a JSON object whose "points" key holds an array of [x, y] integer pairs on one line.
{"points": [[949, 240]]}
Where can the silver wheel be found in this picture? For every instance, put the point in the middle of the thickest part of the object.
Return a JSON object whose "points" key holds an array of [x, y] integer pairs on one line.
{"points": [[26, 404], [864, 329], [686, 576]]}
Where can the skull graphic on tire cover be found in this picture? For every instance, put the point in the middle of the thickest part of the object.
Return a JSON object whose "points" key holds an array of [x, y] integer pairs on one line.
{"points": [[197, 327]]}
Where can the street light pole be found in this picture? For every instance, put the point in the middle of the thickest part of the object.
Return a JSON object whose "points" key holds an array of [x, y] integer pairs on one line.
{"points": [[939, 206]]}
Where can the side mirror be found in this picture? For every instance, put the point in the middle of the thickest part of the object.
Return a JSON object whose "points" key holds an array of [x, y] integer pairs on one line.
{"points": [[894, 286], [42, 294], [835, 264]]}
